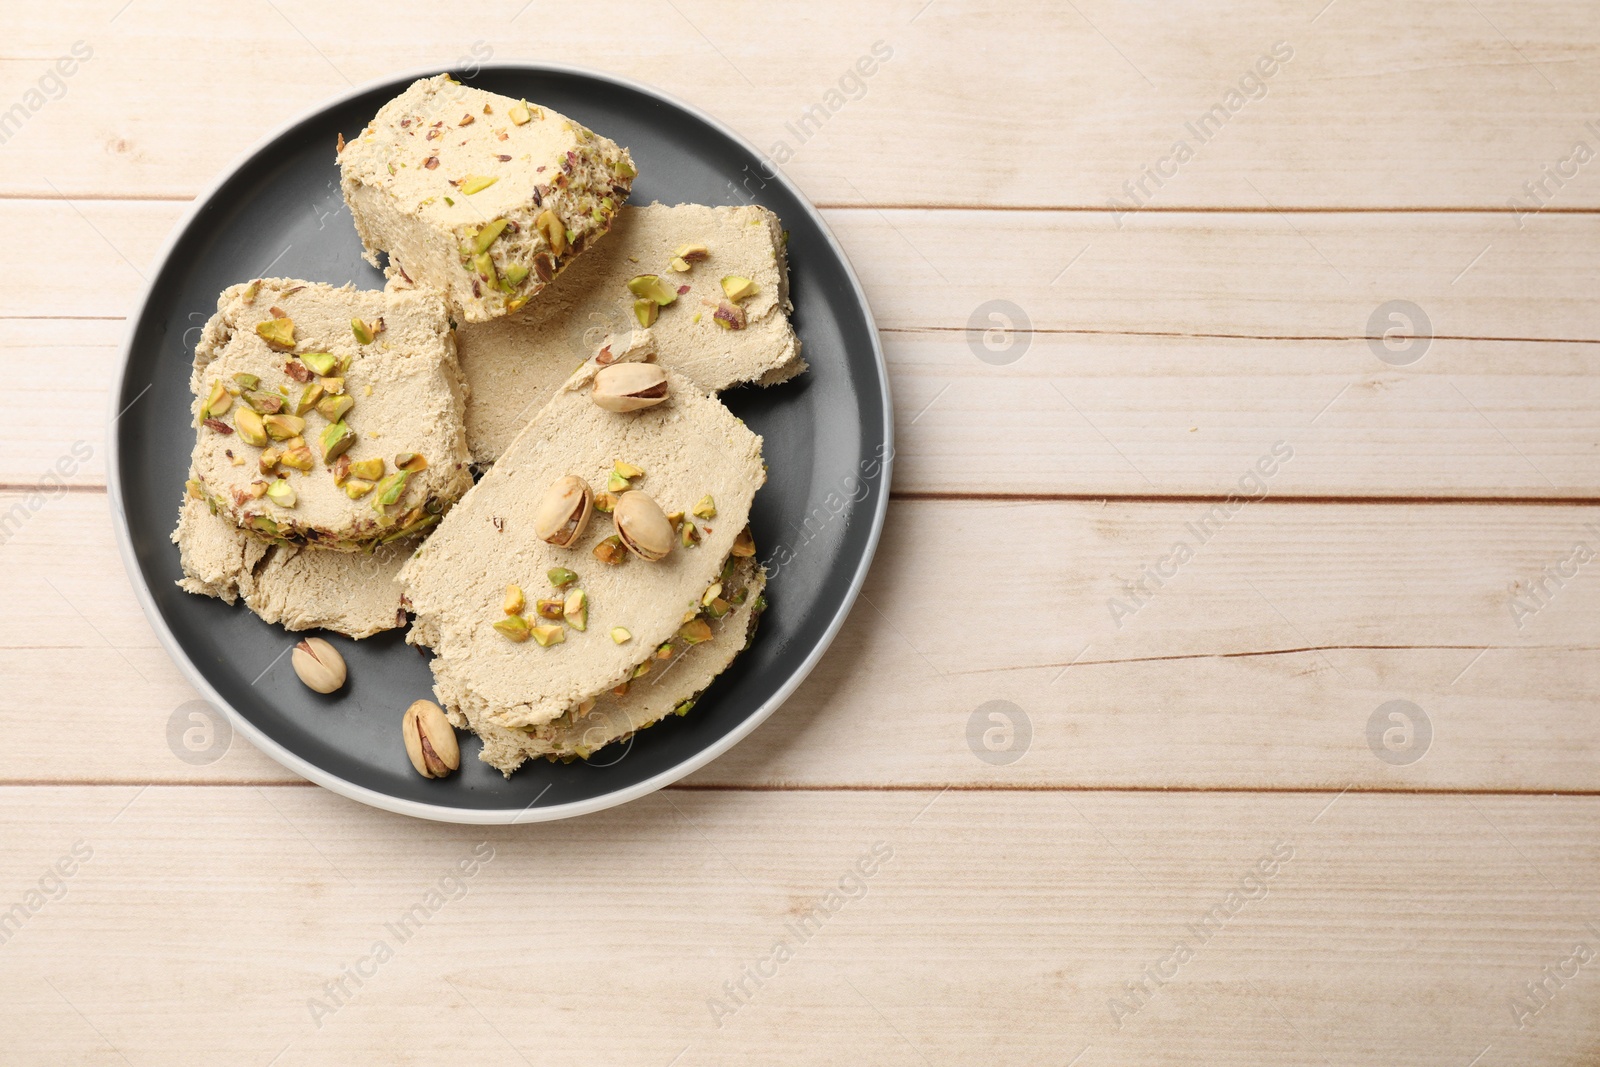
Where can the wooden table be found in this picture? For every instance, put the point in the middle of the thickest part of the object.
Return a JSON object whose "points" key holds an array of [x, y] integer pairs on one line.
{"points": [[1198, 827]]}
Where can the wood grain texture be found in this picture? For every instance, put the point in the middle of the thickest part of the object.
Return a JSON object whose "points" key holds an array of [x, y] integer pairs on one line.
{"points": [[1381, 105], [1005, 928], [1259, 664], [1167, 738]]}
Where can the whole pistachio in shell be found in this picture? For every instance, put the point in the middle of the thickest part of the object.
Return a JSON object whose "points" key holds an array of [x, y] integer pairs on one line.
{"points": [[318, 664], [642, 526], [564, 512], [430, 740], [629, 386]]}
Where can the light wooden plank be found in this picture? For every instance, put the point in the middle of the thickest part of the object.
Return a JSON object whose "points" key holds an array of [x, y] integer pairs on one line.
{"points": [[1380, 105], [1188, 274], [1262, 663], [1081, 415], [1000, 928]]}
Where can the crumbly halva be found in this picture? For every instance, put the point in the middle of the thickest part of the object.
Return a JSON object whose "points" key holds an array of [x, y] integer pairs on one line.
{"points": [[514, 364], [481, 196], [687, 452], [671, 682], [353, 593], [328, 417]]}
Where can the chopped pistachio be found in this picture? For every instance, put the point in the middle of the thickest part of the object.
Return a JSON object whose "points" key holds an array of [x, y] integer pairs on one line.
{"points": [[519, 114], [740, 595], [249, 381], [646, 312], [514, 600], [616, 483], [610, 550], [549, 224], [549, 635], [713, 591], [335, 408], [363, 332], [483, 264], [251, 429], [336, 441], [486, 236], [683, 709], [718, 608], [549, 607], [279, 333], [664, 650], [390, 490], [641, 670], [308, 399], [252, 289], [689, 535], [576, 610], [623, 169], [281, 493], [356, 488], [370, 469], [560, 576], [267, 462], [514, 275], [707, 508], [674, 517], [729, 317], [411, 462], [694, 253], [680, 265], [335, 386], [218, 402], [738, 288], [605, 502], [620, 635], [651, 287], [476, 183], [283, 427], [513, 628], [341, 470], [627, 470], [298, 457], [694, 632], [263, 403], [744, 545], [321, 363]]}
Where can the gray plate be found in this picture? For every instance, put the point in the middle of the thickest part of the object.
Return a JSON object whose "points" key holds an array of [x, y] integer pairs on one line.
{"points": [[817, 522]]}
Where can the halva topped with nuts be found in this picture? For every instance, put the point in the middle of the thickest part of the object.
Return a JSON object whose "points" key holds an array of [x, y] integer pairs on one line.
{"points": [[481, 196], [710, 283], [328, 417], [594, 539]]}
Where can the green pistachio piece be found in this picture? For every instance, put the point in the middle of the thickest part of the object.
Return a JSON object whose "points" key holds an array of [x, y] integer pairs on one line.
{"points": [[251, 429], [707, 508], [362, 331], [334, 408], [513, 628], [391, 489], [308, 399], [646, 311], [738, 288], [298, 457], [476, 183], [336, 441], [356, 488], [263, 403], [483, 264], [513, 275], [249, 381], [560, 576], [279, 333], [486, 236], [283, 427], [368, 469], [281, 493], [321, 363], [651, 287]]}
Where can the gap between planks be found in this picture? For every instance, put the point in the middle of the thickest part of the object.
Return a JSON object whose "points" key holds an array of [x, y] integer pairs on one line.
{"points": [[957, 205], [888, 787], [1107, 498]]}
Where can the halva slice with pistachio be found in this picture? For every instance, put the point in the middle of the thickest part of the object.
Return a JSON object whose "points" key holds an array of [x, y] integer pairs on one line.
{"points": [[666, 683], [482, 196], [353, 593], [307, 435], [671, 269], [640, 564]]}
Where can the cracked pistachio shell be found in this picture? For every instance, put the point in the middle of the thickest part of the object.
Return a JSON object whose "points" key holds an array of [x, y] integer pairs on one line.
{"points": [[564, 512], [319, 665], [629, 386], [642, 526], [430, 740]]}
